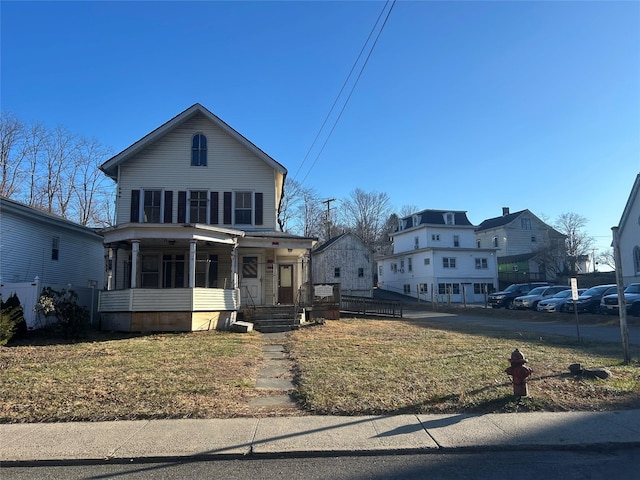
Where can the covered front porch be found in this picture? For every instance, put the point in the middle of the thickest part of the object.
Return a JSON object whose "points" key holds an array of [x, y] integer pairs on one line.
{"points": [[196, 277]]}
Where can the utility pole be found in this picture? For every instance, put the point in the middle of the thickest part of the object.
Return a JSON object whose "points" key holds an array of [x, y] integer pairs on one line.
{"points": [[328, 202], [622, 306]]}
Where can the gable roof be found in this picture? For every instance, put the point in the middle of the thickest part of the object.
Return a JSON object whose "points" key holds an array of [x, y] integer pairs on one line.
{"points": [[334, 240], [635, 192], [500, 221], [33, 214], [110, 166]]}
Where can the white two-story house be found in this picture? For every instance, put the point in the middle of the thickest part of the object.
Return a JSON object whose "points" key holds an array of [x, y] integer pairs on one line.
{"points": [[196, 235], [435, 255]]}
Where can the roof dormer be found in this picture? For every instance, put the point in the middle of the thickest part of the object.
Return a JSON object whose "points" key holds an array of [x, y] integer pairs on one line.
{"points": [[449, 218]]}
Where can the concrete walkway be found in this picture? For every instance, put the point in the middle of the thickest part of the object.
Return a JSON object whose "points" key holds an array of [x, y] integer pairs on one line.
{"points": [[171, 440]]}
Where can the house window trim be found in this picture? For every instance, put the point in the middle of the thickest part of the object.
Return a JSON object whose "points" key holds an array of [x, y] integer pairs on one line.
{"points": [[234, 209], [205, 199], [449, 262], [143, 204]]}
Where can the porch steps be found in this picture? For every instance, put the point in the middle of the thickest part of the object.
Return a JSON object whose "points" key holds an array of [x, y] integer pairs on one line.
{"points": [[271, 319]]}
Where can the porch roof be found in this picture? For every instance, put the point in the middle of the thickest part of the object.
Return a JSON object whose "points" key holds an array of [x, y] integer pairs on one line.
{"points": [[158, 231]]}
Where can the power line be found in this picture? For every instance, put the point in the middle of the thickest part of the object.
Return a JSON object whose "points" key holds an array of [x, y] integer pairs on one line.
{"points": [[343, 87]]}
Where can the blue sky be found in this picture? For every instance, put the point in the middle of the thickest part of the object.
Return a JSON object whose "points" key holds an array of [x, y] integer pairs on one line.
{"points": [[462, 105]]}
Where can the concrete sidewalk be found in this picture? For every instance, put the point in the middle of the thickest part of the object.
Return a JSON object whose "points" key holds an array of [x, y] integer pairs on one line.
{"points": [[171, 440]]}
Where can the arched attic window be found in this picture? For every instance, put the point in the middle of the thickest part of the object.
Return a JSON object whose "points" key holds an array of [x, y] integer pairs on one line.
{"points": [[199, 151]]}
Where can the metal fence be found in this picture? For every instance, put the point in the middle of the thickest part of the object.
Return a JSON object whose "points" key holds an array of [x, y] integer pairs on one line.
{"points": [[370, 306]]}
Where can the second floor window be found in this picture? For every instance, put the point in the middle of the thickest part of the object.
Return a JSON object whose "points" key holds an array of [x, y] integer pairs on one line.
{"points": [[198, 206], [243, 208], [481, 263], [199, 151], [449, 262], [152, 203], [336, 272], [525, 223], [456, 240]]}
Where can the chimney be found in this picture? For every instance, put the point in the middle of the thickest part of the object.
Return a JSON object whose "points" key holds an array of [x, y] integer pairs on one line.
{"points": [[505, 211]]}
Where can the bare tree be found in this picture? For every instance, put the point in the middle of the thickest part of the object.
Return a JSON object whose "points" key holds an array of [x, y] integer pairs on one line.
{"points": [[89, 181], [606, 258], [578, 243], [366, 214], [12, 154], [300, 210], [407, 210], [54, 170]]}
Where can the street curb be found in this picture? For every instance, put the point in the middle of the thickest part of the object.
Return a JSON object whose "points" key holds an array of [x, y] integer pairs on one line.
{"points": [[205, 457]]}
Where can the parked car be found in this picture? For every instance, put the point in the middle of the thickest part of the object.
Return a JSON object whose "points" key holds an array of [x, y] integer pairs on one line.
{"points": [[505, 297], [556, 303], [531, 299], [609, 303], [589, 301]]}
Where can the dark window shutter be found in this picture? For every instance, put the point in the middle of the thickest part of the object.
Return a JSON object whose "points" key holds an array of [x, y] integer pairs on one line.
{"points": [[259, 209], [182, 207], [227, 208], [135, 206], [168, 206], [214, 209]]}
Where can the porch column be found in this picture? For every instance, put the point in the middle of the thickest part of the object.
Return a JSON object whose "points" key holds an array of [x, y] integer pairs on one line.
{"points": [[135, 253], [109, 267], [234, 265], [192, 263]]}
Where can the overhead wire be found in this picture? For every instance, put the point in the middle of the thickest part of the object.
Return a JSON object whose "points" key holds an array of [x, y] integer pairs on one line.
{"points": [[335, 123]]}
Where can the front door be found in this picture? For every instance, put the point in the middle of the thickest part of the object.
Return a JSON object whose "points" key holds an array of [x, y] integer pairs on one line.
{"points": [[285, 284], [250, 284]]}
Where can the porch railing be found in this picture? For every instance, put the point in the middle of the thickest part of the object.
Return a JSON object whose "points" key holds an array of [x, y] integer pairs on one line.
{"points": [[370, 306]]}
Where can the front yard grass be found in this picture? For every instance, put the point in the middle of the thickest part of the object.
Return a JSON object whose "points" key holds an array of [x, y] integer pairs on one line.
{"points": [[195, 375], [360, 367], [345, 367]]}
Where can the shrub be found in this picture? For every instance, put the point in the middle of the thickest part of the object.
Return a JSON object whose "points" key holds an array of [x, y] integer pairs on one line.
{"points": [[71, 319], [11, 319]]}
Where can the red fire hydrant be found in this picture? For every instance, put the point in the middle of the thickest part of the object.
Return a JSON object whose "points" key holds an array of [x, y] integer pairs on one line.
{"points": [[519, 372]]}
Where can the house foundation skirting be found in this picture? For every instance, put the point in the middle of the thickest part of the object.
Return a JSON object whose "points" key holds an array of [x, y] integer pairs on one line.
{"points": [[166, 321]]}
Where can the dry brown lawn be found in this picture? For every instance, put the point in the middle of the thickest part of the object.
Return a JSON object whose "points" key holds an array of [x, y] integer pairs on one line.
{"points": [[346, 367]]}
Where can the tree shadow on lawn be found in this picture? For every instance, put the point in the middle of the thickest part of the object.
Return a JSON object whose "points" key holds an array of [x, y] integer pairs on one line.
{"points": [[51, 336]]}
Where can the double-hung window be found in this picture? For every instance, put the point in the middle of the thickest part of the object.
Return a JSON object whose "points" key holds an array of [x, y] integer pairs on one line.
{"points": [[449, 262], [243, 208], [152, 206], [198, 206], [481, 263]]}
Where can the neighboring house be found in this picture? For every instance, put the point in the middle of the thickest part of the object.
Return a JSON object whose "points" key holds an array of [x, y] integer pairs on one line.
{"points": [[435, 254], [196, 234], [347, 261], [629, 236], [528, 249], [39, 249]]}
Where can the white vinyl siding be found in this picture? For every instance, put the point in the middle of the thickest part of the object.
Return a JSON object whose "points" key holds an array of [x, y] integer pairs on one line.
{"points": [[167, 162], [27, 244]]}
